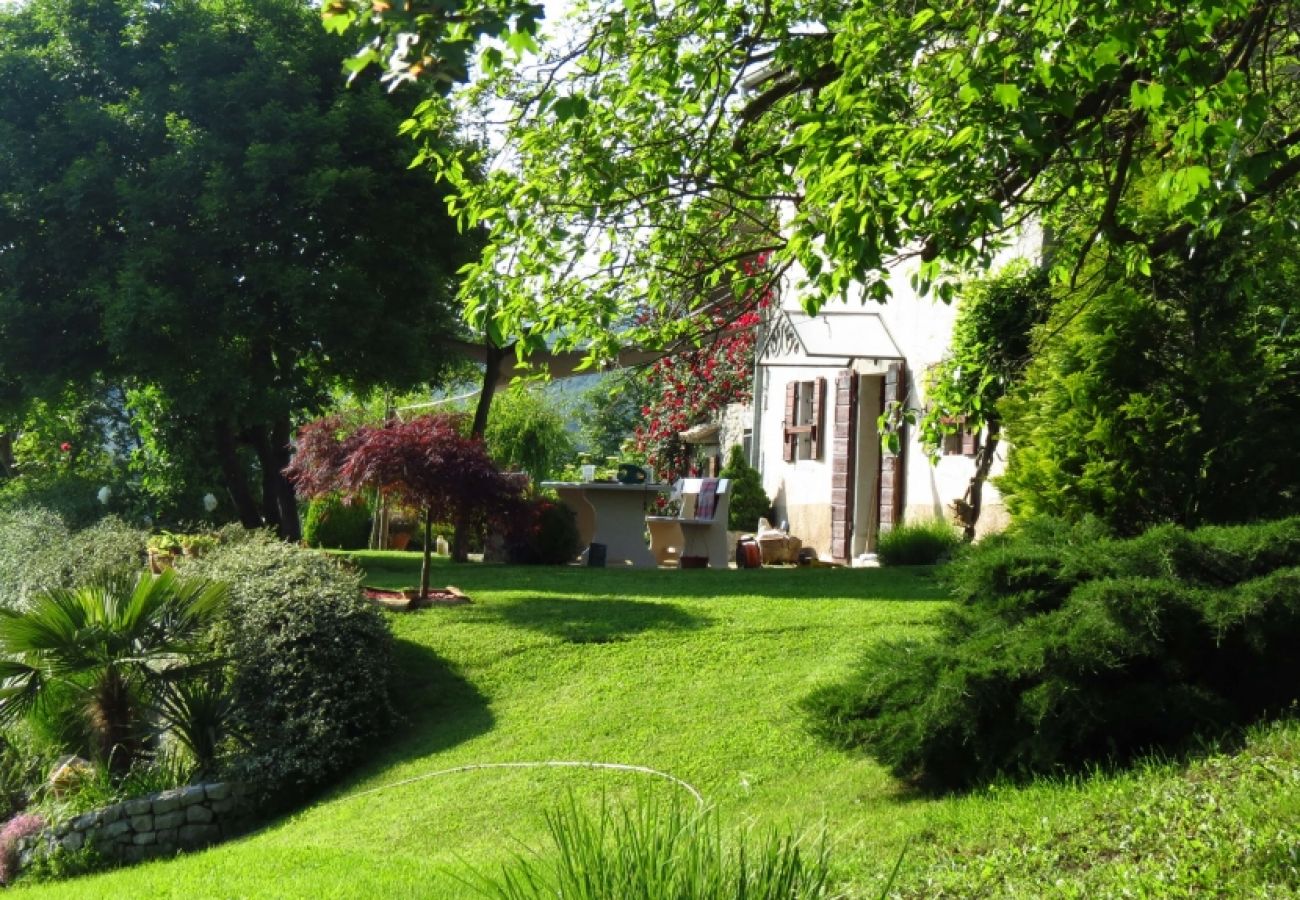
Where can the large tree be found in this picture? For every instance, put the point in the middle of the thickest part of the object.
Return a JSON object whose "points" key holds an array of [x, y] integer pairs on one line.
{"points": [[192, 200], [839, 135]]}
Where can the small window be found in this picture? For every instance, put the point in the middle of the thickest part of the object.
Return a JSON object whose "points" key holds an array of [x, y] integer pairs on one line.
{"points": [[802, 428], [962, 442]]}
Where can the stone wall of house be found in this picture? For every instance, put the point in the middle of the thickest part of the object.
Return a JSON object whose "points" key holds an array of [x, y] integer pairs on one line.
{"points": [[734, 420], [186, 818]]}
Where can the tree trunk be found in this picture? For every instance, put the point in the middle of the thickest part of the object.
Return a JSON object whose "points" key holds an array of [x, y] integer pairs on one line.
{"points": [[286, 496], [427, 562], [257, 439], [493, 357], [970, 512], [236, 485], [278, 498], [6, 454], [493, 360], [113, 713]]}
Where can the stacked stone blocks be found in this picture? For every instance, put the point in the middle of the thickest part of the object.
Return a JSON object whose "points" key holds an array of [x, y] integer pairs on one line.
{"points": [[186, 818]]}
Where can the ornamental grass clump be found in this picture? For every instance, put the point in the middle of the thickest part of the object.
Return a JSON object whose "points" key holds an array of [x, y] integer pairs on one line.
{"points": [[1069, 648], [918, 543], [655, 849]]}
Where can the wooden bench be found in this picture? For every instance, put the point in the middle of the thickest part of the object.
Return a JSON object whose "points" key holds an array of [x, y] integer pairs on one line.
{"points": [[692, 534]]}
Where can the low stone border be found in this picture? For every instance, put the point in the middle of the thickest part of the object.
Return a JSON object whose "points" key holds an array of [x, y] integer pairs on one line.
{"points": [[159, 824]]}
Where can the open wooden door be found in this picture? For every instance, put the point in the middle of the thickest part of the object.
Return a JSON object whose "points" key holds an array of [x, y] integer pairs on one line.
{"points": [[844, 456], [891, 464]]}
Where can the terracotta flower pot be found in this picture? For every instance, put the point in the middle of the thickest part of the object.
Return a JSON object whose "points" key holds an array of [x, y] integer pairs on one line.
{"points": [[398, 540]]}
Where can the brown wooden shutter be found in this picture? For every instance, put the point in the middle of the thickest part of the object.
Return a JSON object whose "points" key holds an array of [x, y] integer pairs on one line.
{"points": [[891, 464], [818, 401], [843, 457], [970, 441], [790, 438]]}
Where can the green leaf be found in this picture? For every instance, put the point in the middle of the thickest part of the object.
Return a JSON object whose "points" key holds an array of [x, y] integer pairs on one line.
{"points": [[920, 19], [1007, 94]]}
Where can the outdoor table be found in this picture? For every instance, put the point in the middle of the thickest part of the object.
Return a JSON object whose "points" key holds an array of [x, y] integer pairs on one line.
{"points": [[612, 514]]}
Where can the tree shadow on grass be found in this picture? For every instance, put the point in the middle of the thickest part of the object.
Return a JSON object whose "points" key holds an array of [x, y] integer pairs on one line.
{"points": [[600, 621], [438, 707], [897, 583]]}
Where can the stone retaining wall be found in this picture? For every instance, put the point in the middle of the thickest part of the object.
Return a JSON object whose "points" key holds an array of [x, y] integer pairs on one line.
{"points": [[157, 825]]}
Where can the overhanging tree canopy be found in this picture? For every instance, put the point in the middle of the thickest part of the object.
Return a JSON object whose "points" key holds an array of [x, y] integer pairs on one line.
{"points": [[842, 136]]}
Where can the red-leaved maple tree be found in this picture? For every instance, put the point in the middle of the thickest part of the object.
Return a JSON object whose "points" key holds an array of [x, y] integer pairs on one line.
{"points": [[427, 463]]}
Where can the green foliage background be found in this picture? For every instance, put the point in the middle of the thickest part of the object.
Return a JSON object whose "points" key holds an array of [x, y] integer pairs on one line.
{"points": [[528, 431], [1169, 399]]}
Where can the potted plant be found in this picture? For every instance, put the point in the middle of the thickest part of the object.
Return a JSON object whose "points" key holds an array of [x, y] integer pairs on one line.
{"points": [[401, 525], [163, 548]]}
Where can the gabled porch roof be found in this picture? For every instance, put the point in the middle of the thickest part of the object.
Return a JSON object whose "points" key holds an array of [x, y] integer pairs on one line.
{"points": [[835, 337]]}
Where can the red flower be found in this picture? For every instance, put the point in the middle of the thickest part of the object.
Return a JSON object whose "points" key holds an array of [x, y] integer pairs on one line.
{"points": [[65, 447]]}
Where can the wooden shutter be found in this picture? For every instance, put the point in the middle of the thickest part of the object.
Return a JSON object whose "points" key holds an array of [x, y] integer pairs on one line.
{"points": [[970, 441], [790, 438], [843, 458], [891, 464], [818, 401]]}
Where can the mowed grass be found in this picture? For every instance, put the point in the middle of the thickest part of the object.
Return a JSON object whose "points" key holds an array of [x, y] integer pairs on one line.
{"points": [[699, 675]]}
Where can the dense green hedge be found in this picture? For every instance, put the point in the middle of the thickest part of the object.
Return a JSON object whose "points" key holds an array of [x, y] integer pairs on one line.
{"points": [[310, 660], [1069, 647], [336, 525]]}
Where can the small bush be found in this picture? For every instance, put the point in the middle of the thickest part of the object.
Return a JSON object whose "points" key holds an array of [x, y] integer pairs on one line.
{"points": [[1070, 647], [543, 532], [38, 552], [749, 502], [310, 660], [31, 539], [917, 544], [336, 525], [109, 547], [654, 849], [20, 826], [24, 762]]}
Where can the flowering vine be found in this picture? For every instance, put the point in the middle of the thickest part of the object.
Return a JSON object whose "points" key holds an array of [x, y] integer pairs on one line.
{"points": [[692, 387]]}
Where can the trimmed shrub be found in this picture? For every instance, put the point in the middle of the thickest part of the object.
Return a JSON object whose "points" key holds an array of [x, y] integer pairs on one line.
{"points": [[109, 547], [310, 660], [1070, 647], [918, 544], [336, 525], [749, 502], [31, 538]]}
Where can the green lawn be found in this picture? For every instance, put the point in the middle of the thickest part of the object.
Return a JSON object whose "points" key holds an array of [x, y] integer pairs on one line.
{"points": [[697, 674]]}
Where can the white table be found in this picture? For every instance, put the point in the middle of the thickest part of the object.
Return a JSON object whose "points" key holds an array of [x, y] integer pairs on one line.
{"points": [[612, 514]]}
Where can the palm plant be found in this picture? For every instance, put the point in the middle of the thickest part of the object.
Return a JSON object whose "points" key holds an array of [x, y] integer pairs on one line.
{"points": [[116, 643]]}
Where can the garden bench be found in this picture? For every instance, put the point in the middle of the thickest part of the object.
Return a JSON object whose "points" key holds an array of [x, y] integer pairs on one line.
{"points": [[700, 530]]}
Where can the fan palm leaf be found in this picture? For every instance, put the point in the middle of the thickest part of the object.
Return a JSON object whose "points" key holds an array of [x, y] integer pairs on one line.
{"points": [[114, 640]]}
